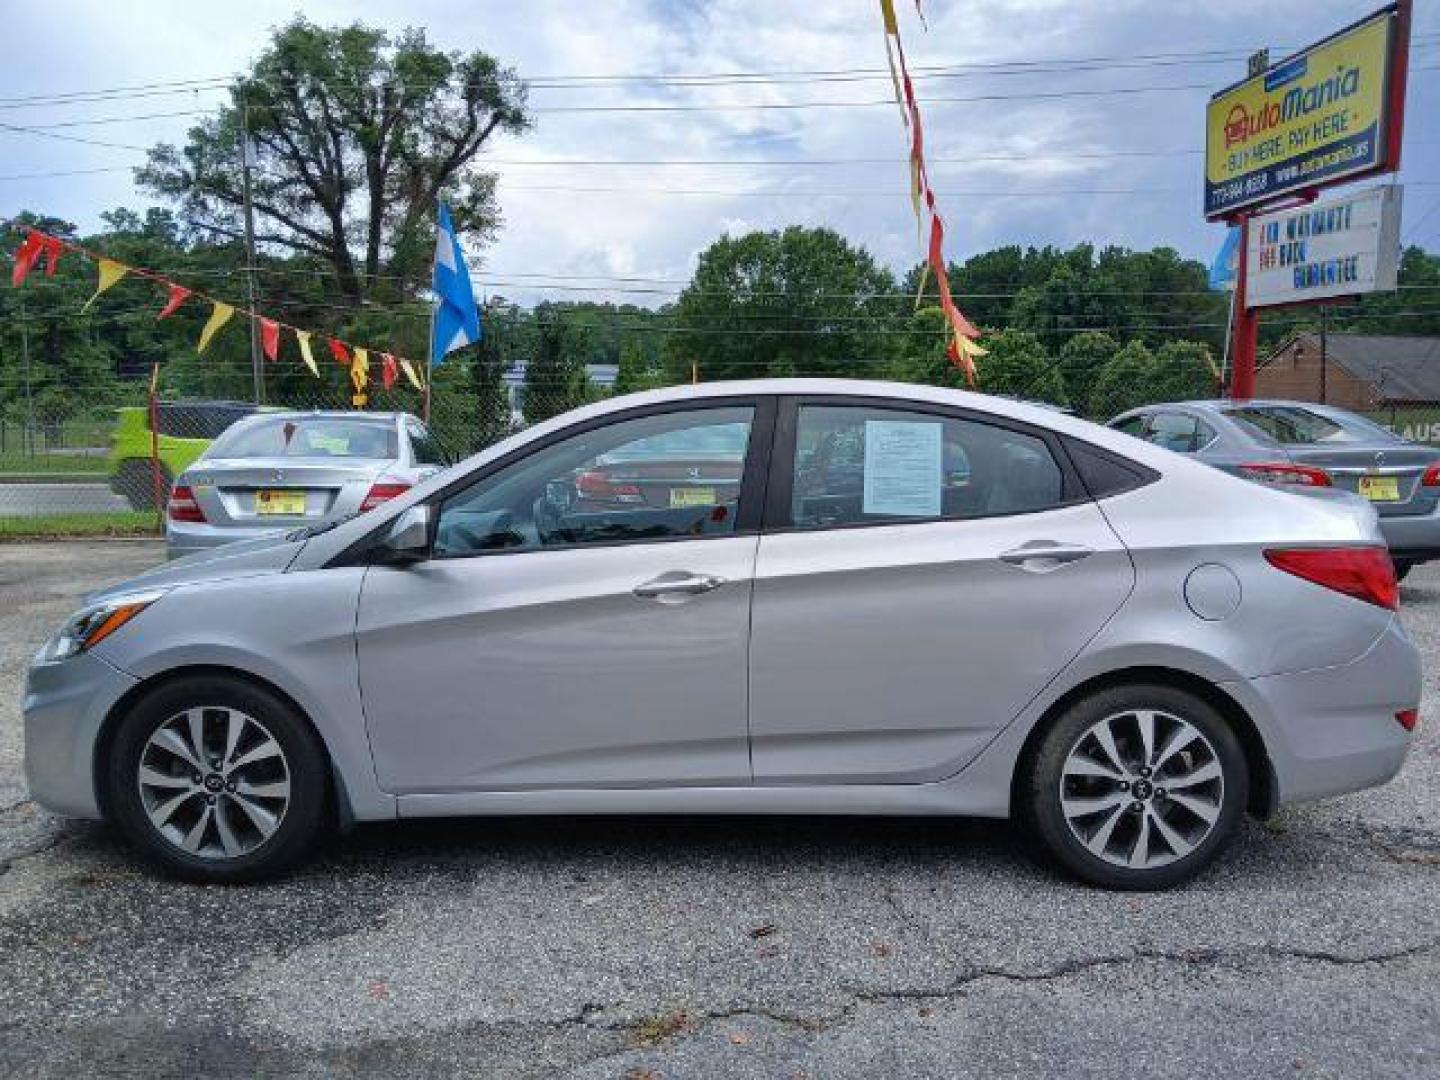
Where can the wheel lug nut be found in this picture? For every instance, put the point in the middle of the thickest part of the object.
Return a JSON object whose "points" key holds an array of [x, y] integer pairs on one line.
{"points": [[210, 799], [196, 778], [1145, 772], [230, 786], [1136, 807], [1124, 785]]}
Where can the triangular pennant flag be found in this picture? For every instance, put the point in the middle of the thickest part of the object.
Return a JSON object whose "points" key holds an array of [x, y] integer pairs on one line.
{"points": [[178, 295], [409, 370], [387, 370], [338, 351], [110, 273], [303, 337], [53, 248], [25, 256], [269, 337], [218, 318], [360, 369]]}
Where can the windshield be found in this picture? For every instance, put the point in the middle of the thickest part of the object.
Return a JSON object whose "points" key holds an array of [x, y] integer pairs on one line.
{"points": [[312, 436], [1294, 426]]}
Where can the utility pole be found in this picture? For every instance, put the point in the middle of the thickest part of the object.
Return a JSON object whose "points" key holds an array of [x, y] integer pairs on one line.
{"points": [[247, 160]]}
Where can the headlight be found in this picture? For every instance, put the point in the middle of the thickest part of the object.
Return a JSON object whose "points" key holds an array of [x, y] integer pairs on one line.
{"points": [[91, 625]]}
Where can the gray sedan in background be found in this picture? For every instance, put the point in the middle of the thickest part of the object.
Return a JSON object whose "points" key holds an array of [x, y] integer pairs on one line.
{"points": [[280, 470], [1310, 446], [865, 598]]}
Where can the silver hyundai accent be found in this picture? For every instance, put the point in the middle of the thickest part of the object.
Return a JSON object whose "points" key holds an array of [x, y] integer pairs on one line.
{"points": [[774, 597]]}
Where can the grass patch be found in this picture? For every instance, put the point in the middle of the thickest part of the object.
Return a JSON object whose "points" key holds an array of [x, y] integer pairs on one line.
{"points": [[57, 526], [31, 464]]}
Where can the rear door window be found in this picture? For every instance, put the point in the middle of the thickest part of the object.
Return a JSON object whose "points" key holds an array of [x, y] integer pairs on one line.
{"points": [[865, 465], [1174, 431]]}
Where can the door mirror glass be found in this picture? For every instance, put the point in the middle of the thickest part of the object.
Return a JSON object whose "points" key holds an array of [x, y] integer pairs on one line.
{"points": [[408, 538]]}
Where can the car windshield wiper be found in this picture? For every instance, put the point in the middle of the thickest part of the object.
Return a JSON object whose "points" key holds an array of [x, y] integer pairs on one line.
{"points": [[307, 531]]}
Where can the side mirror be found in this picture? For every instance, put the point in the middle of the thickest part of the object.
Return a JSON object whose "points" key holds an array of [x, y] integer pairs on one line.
{"points": [[408, 539]]}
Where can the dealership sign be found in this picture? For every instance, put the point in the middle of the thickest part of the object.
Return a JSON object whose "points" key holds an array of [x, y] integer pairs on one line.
{"points": [[1335, 247], [1309, 120]]}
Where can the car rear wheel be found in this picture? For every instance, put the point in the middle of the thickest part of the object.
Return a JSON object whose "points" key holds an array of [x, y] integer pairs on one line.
{"points": [[216, 779], [1137, 787], [1402, 568]]}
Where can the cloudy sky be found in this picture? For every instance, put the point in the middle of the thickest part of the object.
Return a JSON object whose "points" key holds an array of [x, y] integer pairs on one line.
{"points": [[1102, 143]]}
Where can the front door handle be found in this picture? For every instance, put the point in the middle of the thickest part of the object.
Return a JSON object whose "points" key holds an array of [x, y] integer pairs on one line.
{"points": [[1042, 556], [677, 584]]}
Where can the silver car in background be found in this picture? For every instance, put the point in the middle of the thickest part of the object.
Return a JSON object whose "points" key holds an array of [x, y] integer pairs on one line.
{"points": [[281, 470], [1316, 446], [864, 598]]}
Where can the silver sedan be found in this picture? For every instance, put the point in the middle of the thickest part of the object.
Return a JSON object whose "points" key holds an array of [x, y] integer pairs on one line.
{"points": [[1318, 447], [772, 597], [280, 470]]}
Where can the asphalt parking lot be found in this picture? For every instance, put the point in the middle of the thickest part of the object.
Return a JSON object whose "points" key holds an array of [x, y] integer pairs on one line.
{"points": [[735, 948]]}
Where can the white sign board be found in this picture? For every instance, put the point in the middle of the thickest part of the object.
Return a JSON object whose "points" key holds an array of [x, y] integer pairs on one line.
{"points": [[902, 468], [1334, 247]]}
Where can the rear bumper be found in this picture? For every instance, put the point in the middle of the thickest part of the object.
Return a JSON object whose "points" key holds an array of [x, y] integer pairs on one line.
{"points": [[184, 538], [1333, 730], [1415, 537]]}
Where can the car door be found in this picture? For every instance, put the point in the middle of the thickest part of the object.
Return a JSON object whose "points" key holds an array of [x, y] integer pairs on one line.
{"points": [[923, 574], [572, 630]]}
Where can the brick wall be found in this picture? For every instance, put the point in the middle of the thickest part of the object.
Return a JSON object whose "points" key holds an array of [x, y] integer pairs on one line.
{"points": [[1293, 372]]}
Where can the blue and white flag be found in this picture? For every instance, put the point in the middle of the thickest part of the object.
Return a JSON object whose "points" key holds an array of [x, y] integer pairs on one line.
{"points": [[1227, 261], [457, 319]]}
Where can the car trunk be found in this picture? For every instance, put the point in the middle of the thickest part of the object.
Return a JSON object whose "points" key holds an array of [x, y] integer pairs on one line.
{"points": [[1388, 476], [283, 491]]}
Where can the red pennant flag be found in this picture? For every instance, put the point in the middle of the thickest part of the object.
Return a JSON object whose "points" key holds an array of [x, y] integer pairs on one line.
{"points": [[339, 352], [178, 295], [53, 247], [388, 370], [25, 256], [269, 337]]}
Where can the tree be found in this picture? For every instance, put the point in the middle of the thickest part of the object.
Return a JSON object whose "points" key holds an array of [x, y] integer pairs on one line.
{"points": [[355, 137], [798, 302], [1082, 359], [636, 371], [555, 378], [1128, 380], [1019, 366], [1185, 370]]}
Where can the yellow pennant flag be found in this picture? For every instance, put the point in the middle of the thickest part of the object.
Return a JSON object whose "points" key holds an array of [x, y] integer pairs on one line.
{"points": [[110, 273], [218, 318], [360, 370], [409, 371], [303, 336]]}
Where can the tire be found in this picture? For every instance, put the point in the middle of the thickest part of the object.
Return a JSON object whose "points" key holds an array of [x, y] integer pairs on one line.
{"points": [[257, 814], [1403, 568], [135, 483], [1072, 772]]}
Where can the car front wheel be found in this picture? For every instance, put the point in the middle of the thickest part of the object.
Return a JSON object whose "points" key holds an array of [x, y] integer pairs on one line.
{"points": [[1137, 787], [216, 779]]}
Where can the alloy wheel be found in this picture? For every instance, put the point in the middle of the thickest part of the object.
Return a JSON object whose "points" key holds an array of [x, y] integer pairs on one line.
{"points": [[214, 782], [1142, 788]]}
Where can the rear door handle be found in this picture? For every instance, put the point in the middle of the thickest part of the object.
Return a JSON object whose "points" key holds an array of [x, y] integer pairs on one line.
{"points": [[1041, 556], [677, 584]]}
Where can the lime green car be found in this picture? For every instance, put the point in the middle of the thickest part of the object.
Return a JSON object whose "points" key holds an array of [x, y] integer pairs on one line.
{"points": [[185, 430]]}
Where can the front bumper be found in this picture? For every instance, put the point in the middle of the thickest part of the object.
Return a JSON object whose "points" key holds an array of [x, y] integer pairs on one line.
{"points": [[1332, 730], [65, 706]]}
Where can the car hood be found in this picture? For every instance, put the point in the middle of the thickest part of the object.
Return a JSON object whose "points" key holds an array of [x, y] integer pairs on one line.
{"points": [[245, 558]]}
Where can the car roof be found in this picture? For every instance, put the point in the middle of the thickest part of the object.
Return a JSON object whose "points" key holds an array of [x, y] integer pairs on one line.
{"points": [[330, 414]]}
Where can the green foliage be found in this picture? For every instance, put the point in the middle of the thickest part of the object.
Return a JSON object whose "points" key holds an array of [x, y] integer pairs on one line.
{"points": [[637, 371], [356, 136], [555, 378], [1126, 381], [769, 304], [1018, 365], [1082, 359], [1185, 371]]}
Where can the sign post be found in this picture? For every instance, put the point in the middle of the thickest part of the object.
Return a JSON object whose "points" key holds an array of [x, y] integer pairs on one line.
{"points": [[1328, 114]]}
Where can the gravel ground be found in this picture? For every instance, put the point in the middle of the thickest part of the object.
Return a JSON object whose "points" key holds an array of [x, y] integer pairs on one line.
{"points": [[738, 947]]}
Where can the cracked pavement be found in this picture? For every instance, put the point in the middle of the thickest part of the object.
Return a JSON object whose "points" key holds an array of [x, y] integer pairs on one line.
{"points": [[723, 947]]}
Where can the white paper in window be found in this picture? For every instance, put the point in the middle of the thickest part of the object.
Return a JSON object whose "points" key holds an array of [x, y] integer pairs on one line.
{"points": [[902, 468]]}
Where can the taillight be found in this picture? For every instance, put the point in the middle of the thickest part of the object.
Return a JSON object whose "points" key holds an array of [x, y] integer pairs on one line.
{"points": [[596, 485], [1283, 472], [182, 505], [1408, 718], [1432, 476], [1366, 573], [382, 493]]}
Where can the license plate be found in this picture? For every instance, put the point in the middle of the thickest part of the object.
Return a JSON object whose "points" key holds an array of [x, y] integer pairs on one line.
{"points": [[1380, 488], [692, 496], [290, 503]]}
